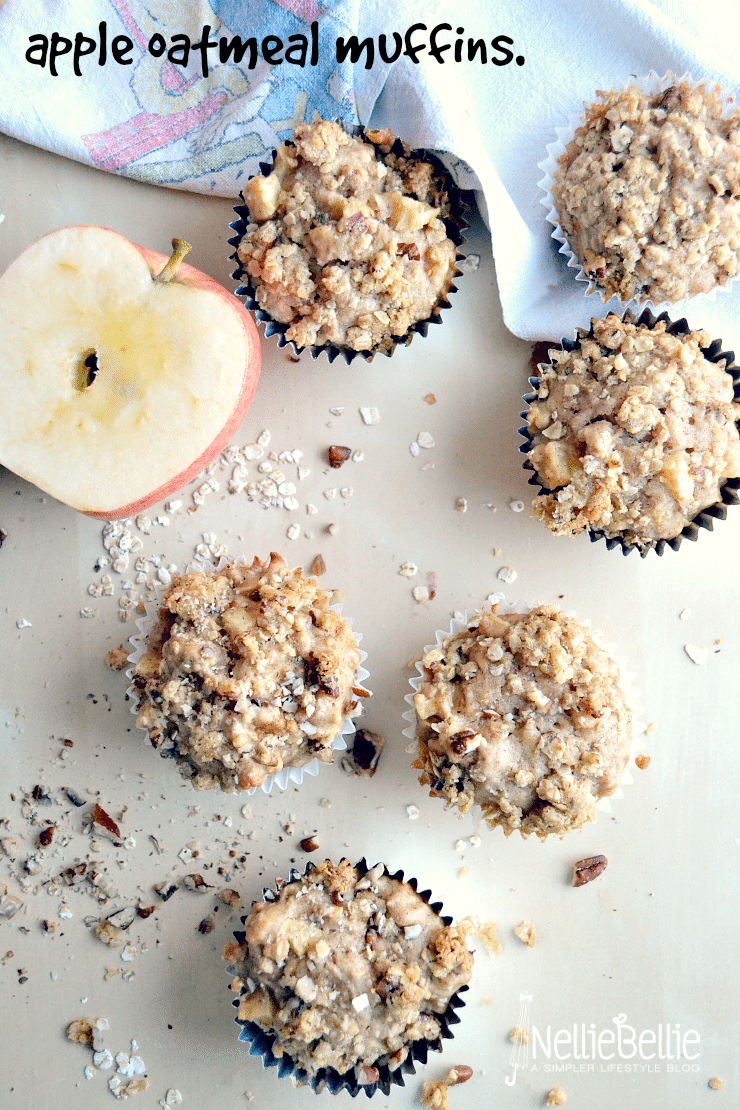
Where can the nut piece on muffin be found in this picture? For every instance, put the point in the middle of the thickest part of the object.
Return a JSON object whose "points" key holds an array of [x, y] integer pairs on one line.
{"points": [[648, 193], [347, 245], [522, 714], [634, 432], [247, 670], [349, 969]]}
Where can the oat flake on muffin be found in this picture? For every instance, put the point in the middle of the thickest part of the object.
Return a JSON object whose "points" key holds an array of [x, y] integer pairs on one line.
{"points": [[634, 432], [648, 193], [346, 245], [349, 968], [522, 714], [247, 670]]}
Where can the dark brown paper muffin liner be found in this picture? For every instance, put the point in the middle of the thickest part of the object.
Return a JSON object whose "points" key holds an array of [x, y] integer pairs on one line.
{"points": [[456, 224], [261, 1042], [729, 491]]}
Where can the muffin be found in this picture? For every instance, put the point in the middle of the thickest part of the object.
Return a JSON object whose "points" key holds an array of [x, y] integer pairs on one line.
{"points": [[648, 193], [633, 431], [248, 669], [345, 243], [347, 975], [522, 714]]}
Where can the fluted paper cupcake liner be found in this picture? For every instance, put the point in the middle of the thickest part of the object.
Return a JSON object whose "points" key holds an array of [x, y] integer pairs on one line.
{"points": [[261, 1042], [456, 224], [652, 83], [632, 695], [287, 775], [729, 491]]}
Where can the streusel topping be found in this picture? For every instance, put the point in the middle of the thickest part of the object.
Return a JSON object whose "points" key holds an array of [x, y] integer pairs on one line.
{"points": [[247, 670], [648, 193], [348, 969], [634, 432], [346, 248], [523, 715]]}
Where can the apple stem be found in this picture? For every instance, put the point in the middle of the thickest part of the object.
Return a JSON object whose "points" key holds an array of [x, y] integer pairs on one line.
{"points": [[169, 271]]}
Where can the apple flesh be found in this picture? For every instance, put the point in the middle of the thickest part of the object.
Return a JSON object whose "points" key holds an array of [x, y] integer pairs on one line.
{"points": [[117, 389]]}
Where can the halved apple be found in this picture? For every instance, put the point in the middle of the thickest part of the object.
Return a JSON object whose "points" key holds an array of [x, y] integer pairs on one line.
{"points": [[118, 387]]}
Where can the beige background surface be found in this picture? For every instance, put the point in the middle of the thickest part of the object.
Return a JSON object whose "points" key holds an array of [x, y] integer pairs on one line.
{"points": [[653, 939]]}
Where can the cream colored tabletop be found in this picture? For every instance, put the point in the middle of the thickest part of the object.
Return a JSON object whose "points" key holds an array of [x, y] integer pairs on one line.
{"points": [[641, 960]]}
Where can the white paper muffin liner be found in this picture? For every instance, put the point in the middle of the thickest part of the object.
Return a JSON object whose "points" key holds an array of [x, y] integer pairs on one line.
{"points": [[632, 695], [287, 775], [650, 84]]}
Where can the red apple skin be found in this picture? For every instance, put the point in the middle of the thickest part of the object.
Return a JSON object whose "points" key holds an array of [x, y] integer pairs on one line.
{"points": [[190, 276]]}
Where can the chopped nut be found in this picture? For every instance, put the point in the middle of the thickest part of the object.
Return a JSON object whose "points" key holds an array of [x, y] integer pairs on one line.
{"points": [[434, 1095], [318, 566], [556, 1097], [526, 933], [366, 1075], [519, 1035], [82, 1030], [109, 934], [430, 398], [196, 883], [105, 821], [230, 898], [207, 925], [366, 751], [46, 836], [338, 455], [461, 1073], [642, 761], [716, 1083], [309, 844], [585, 870], [117, 658], [165, 890]]}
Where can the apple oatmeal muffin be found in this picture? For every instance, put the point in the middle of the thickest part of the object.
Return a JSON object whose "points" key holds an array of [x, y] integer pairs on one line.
{"points": [[633, 431], [247, 670], [346, 242], [648, 193], [350, 971], [522, 714]]}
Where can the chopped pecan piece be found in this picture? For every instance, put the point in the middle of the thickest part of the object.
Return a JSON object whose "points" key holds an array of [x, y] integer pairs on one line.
{"points": [[338, 455], [586, 870]]}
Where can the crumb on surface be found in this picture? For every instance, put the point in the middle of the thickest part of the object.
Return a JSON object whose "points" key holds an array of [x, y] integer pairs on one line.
{"points": [[556, 1097], [642, 761], [716, 1083], [527, 933]]}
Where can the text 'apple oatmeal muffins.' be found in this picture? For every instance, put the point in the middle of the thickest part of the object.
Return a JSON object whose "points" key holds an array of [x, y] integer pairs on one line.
{"points": [[522, 714], [633, 431], [351, 971], [648, 193], [346, 242], [247, 670]]}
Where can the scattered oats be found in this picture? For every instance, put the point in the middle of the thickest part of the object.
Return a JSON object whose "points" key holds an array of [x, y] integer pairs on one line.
{"points": [[311, 509], [507, 575], [650, 729], [332, 529], [556, 1097], [428, 466], [716, 1083], [293, 531], [412, 812], [462, 873], [263, 439], [337, 411], [173, 1097], [408, 570], [346, 491], [89, 1072], [461, 505], [370, 415], [129, 953], [330, 494], [358, 456], [87, 613], [697, 655], [414, 449], [23, 623], [527, 933], [360, 1003], [684, 614], [425, 440], [228, 822], [460, 845], [474, 841], [173, 506], [103, 1059], [246, 811], [164, 576], [421, 594], [495, 599], [303, 472], [519, 1035], [516, 506]]}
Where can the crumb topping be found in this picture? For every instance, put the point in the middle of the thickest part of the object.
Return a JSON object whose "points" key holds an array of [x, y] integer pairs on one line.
{"points": [[648, 193], [634, 432], [345, 246], [348, 969], [247, 670], [522, 714]]}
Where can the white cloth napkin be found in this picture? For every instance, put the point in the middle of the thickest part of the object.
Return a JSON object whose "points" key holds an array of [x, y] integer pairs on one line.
{"points": [[168, 125]]}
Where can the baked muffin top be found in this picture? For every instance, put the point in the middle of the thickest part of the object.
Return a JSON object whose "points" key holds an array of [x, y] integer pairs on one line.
{"points": [[347, 245], [648, 193], [634, 432], [247, 670], [348, 968], [522, 714]]}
